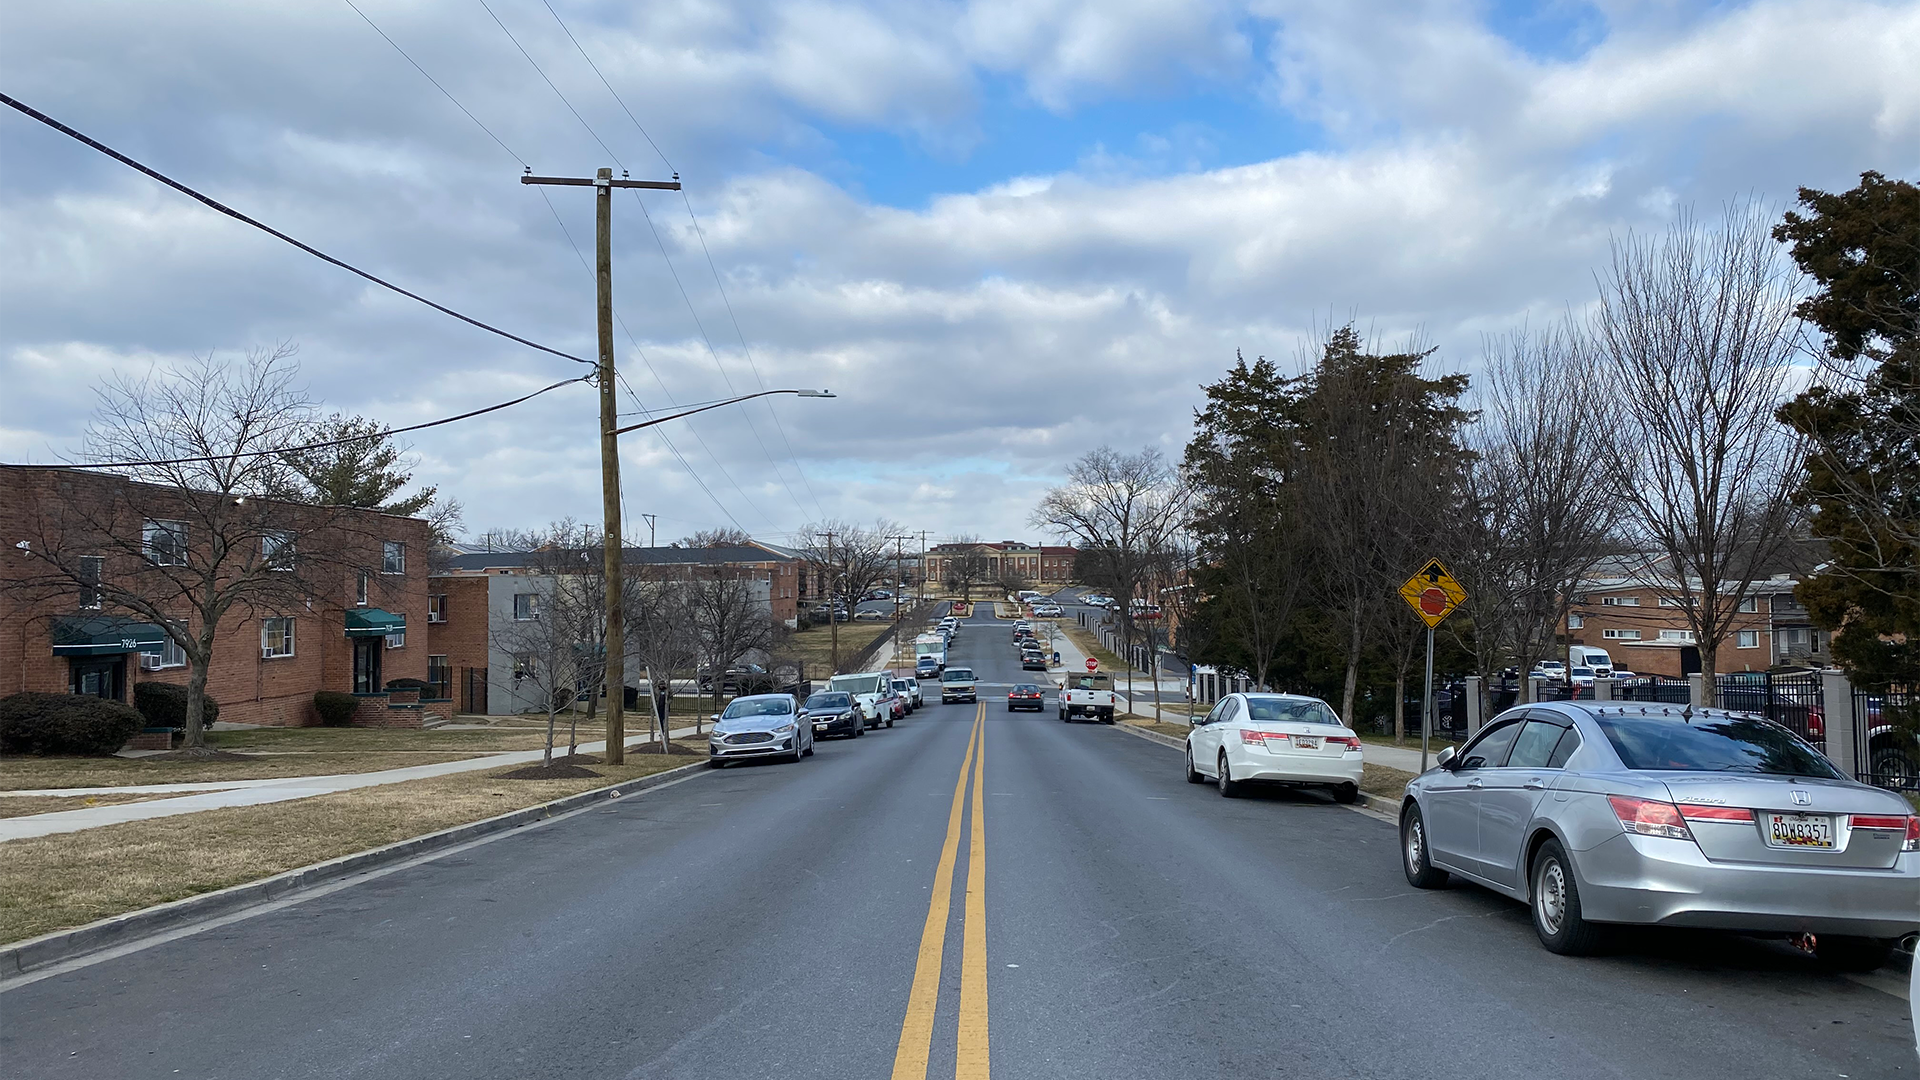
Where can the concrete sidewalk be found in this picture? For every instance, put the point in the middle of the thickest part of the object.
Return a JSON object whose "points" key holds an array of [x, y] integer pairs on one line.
{"points": [[255, 792]]}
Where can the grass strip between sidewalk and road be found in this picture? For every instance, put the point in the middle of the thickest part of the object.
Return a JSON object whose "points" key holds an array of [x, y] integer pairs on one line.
{"points": [[1383, 782], [70, 879]]}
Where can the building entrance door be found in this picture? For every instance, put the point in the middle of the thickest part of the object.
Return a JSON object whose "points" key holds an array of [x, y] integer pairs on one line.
{"points": [[366, 664], [102, 677]]}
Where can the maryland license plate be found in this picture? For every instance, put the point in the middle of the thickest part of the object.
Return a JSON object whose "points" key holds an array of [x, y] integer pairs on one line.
{"points": [[1800, 830], [1306, 742]]}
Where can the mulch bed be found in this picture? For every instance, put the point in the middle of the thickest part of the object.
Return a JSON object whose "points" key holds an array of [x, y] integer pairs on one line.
{"points": [[202, 754], [559, 770], [672, 748]]}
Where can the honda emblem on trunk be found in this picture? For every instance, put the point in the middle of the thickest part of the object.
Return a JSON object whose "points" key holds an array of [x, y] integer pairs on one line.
{"points": [[1801, 798]]}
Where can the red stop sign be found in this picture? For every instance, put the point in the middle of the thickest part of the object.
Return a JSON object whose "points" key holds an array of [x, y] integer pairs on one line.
{"points": [[1092, 664], [1433, 601]]}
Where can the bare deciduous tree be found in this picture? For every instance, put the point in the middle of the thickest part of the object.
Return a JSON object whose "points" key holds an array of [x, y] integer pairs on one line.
{"points": [[853, 559], [549, 653], [967, 566], [1535, 517], [729, 617], [1124, 512], [1699, 327], [196, 537]]}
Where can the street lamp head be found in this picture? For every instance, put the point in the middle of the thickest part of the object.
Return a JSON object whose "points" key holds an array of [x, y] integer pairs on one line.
{"points": [[815, 393]]}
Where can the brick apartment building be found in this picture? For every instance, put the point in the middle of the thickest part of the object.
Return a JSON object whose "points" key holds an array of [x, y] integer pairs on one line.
{"points": [[356, 585], [1644, 630], [478, 594], [1041, 565]]}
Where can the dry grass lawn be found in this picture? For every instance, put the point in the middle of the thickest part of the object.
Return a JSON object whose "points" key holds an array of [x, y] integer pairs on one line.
{"points": [[1178, 731], [1090, 645], [31, 773], [814, 645], [1382, 781], [55, 882], [28, 805]]}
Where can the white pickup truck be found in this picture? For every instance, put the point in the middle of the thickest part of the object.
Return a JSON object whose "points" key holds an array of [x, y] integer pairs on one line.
{"points": [[1089, 694]]}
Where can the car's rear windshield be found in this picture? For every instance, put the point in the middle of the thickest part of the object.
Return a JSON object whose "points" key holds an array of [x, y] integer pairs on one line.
{"points": [[957, 674], [1290, 711], [770, 706], [1093, 682], [829, 701], [1718, 744]]}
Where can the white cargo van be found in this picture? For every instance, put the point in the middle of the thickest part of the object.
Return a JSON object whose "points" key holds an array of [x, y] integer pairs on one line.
{"points": [[1579, 656]]}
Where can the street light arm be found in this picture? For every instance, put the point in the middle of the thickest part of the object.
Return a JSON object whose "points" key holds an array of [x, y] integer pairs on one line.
{"points": [[718, 404]]}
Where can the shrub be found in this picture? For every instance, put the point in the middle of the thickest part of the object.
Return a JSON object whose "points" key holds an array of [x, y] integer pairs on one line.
{"points": [[79, 724], [335, 708], [421, 685], [165, 705]]}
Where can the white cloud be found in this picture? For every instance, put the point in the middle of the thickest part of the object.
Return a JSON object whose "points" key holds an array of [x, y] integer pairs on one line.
{"points": [[979, 342]]}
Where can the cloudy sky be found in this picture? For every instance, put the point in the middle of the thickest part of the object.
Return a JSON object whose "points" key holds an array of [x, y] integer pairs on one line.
{"points": [[1002, 231]]}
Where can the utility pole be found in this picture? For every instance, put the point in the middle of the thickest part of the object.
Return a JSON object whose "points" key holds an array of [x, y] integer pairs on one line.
{"points": [[833, 624], [897, 590], [923, 566], [603, 184], [651, 518]]}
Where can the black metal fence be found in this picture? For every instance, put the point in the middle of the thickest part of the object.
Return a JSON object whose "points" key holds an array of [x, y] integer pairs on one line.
{"points": [[1792, 700], [1887, 749], [473, 690], [1660, 688]]}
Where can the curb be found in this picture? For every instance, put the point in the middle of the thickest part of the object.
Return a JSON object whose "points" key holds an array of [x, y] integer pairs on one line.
{"points": [[1378, 804], [22, 957]]}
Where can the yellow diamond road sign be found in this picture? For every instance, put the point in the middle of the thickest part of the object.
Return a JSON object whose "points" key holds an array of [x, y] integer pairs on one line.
{"points": [[1432, 593]]}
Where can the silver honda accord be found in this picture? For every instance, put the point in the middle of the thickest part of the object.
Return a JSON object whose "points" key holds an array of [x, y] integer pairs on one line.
{"points": [[759, 725], [1596, 813]]}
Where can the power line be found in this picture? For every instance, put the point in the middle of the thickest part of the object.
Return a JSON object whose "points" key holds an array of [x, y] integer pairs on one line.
{"points": [[742, 335], [611, 90], [754, 367], [271, 231], [678, 456], [714, 353], [555, 89], [436, 84], [310, 446]]}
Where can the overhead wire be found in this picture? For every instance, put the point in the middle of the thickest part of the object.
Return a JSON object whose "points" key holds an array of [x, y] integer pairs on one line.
{"points": [[678, 456], [712, 268], [223, 208], [383, 433], [676, 275]]}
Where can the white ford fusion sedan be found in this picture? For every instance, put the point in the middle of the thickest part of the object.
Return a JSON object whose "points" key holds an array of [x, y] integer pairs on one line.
{"points": [[1274, 738]]}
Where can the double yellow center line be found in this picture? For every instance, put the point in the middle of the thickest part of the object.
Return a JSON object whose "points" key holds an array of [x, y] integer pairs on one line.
{"points": [[916, 1031]]}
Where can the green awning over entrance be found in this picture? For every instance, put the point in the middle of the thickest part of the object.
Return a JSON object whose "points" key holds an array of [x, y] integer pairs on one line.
{"points": [[372, 622], [104, 635]]}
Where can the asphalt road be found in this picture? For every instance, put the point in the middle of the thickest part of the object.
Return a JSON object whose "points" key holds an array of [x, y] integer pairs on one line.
{"points": [[768, 921]]}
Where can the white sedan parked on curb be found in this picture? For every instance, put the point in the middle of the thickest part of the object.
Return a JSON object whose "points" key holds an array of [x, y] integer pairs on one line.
{"points": [[1274, 738]]}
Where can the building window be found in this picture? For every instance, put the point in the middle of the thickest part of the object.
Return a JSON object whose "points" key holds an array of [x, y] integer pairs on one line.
{"points": [[1677, 635], [1751, 605], [1621, 635], [165, 542], [276, 550], [522, 666], [393, 557], [526, 606], [1748, 639], [276, 637], [1575, 622], [436, 607], [360, 591], [171, 655], [90, 571], [397, 641], [1671, 601], [1620, 601]]}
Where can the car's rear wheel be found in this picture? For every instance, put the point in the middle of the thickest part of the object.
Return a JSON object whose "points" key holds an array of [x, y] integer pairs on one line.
{"points": [[1421, 873], [1838, 952], [1556, 905], [1229, 787], [1193, 775], [1346, 793]]}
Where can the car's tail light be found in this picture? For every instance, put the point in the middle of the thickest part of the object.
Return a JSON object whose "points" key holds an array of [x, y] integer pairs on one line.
{"points": [[1905, 823], [1351, 742], [1816, 724], [1649, 818], [1252, 736], [1696, 812]]}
